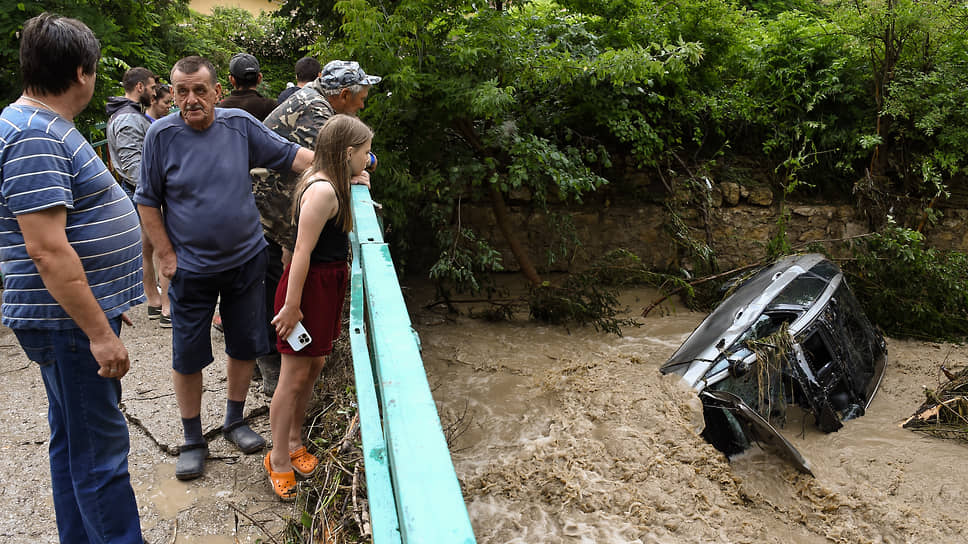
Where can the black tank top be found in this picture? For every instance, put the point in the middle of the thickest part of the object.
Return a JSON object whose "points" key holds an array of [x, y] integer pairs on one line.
{"points": [[333, 244]]}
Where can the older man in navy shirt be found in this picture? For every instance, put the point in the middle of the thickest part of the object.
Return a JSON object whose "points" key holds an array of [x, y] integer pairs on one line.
{"points": [[195, 167]]}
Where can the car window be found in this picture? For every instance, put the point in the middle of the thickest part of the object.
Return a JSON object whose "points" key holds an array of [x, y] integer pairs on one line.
{"points": [[803, 291]]}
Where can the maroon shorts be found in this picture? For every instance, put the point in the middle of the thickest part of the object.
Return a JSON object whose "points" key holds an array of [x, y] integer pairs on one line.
{"points": [[321, 306]]}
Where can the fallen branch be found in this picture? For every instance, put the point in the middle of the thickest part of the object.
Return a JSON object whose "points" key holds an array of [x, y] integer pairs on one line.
{"points": [[25, 367], [347, 442], [698, 281], [353, 490], [472, 301], [254, 522]]}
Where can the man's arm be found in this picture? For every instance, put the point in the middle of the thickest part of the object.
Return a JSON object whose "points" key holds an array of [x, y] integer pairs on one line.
{"points": [[154, 226], [130, 138], [303, 160], [61, 270]]}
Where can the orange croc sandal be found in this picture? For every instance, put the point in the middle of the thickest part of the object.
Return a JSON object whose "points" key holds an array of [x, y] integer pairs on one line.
{"points": [[283, 483], [303, 462]]}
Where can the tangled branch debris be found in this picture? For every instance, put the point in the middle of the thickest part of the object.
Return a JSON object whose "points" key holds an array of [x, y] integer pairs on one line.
{"points": [[773, 353], [944, 412]]}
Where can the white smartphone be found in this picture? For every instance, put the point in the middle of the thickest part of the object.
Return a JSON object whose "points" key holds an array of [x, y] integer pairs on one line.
{"points": [[299, 337]]}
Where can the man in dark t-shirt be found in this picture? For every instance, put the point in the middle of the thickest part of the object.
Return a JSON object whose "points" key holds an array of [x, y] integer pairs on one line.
{"points": [[244, 75], [209, 241], [307, 70]]}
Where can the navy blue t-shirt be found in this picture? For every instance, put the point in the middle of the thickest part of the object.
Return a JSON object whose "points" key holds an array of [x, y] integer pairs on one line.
{"points": [[201, 181]]}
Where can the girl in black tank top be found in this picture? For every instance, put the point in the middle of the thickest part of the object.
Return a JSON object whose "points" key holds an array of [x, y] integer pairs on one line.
{"points": [[312, 289]]}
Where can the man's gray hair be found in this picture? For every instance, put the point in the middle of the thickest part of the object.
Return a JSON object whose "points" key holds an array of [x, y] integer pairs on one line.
{"points": [[355, 89], [192, 64]]}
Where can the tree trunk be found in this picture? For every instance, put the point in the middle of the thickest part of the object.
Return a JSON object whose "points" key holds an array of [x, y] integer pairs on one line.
{"points": [[504, 223], [466, 129], [883, 76]]}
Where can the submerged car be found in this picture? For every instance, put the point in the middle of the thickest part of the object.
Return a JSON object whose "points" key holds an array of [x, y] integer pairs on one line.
{"points": [[792, 334]]}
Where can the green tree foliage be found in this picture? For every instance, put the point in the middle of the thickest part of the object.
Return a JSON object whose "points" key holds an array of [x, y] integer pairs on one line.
{"points": [[908, 289], [800, 70], [915, 53], [484, 103], [544, 103], [131, 34], [155, 34]]}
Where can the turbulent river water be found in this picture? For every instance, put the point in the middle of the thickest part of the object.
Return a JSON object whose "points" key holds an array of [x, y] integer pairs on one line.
{"points": [[573, 436]]}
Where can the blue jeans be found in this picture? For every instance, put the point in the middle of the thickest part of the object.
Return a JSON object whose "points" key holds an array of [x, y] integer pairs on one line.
{"points": [[93, 498], [128, 190]]}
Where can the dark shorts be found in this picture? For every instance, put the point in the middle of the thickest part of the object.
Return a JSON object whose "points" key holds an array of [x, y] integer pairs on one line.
{"points": [[321, 306], [240, 293], [273, 275]]}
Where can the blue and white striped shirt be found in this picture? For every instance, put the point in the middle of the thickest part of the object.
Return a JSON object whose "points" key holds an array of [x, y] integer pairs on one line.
{"points": [[45, 163]]}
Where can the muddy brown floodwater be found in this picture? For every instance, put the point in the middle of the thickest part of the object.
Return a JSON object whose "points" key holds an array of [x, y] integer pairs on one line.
{"points": [[575, 437]]}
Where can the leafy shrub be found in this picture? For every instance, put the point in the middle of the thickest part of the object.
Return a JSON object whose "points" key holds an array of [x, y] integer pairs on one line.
{"points": [[907, 289]]}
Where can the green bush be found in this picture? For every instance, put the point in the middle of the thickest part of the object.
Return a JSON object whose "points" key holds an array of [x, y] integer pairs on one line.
{"points": [[907, 289]]}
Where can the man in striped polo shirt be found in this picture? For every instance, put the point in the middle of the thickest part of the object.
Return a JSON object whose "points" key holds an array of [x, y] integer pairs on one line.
{"points": [[70, 248]]}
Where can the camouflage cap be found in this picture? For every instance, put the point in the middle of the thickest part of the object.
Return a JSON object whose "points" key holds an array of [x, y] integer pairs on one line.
{"points": [[338, 74]]}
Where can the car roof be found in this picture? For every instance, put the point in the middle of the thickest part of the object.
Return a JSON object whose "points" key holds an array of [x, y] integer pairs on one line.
{"points": [[791, 284]]}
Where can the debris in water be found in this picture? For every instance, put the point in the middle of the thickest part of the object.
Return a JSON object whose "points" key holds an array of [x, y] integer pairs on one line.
{"points": [[944, 413]]}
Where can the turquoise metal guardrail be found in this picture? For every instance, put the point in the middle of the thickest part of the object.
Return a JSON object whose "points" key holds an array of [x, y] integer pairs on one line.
{"points": [[414, 494], [100, 145]]}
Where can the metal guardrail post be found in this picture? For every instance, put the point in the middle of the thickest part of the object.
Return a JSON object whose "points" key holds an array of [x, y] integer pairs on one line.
{"points": [[429, 503], [101, 146]]}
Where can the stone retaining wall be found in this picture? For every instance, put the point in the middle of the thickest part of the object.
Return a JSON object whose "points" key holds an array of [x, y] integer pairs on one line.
{"points": [[741, 222]]}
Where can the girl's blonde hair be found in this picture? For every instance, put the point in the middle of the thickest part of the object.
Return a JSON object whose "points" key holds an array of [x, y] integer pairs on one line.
{"points": [[339, 133]]}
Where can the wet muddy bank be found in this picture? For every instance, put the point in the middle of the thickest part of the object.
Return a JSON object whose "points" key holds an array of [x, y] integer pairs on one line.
{"points": [[231, 503]]}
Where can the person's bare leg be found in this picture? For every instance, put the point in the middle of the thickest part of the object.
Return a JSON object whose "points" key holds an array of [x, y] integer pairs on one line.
{"points": [[239, 375], [315, 366], [149, 277], [293, 374], [188, 393]]}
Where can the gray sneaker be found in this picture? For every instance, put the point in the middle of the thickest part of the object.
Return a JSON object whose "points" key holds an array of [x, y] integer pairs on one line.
{"points": [[269, 368]]}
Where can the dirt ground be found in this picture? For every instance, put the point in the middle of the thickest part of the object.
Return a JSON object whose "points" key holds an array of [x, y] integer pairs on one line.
{"points": [[231, 503]]}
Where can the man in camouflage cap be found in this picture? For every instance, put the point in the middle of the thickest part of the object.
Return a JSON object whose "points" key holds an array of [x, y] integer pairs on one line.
{"points": [[342, 87]]}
